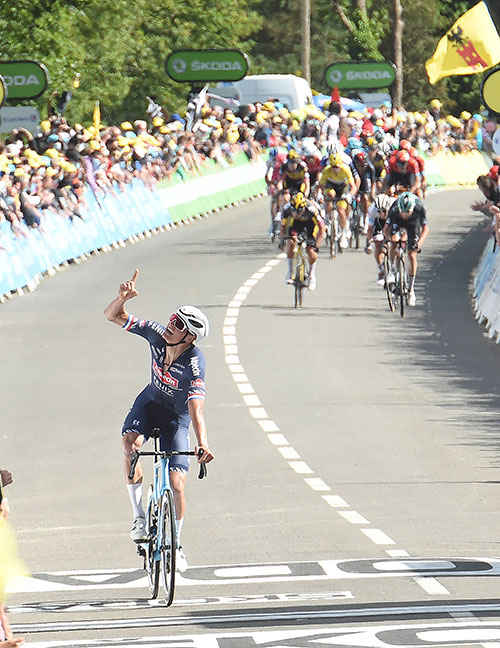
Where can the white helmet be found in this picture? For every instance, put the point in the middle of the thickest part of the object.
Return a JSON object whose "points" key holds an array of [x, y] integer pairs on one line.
{"points": [[309, 149], [196, 321], [383, 201]]}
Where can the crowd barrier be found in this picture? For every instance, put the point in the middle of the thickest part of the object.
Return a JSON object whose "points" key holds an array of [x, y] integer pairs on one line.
{"points": [[112, 220], [487, 290], [455, 169]]}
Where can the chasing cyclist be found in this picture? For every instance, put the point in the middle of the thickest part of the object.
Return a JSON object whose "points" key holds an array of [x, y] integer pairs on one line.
{"points": [[302, 215], [407, 221], [294, 178], [174, 398], [338, 186], [377, 214]]}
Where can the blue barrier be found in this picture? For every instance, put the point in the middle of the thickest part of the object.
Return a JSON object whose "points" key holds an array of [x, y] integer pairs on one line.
{"points": [[107, 219]]}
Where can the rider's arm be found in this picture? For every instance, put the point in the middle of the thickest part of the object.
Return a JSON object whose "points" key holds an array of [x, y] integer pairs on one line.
{"points": [[196, 407], [115, 311], [423, 235]]}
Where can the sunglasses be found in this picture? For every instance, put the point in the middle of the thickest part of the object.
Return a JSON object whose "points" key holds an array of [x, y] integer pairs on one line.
{"points": [[178, 323]]}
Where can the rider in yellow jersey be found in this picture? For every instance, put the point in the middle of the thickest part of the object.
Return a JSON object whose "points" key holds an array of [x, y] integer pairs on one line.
{"points": [[338, 186]]}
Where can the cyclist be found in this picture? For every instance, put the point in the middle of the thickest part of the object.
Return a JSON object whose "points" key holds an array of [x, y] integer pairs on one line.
{"points": [[337, 184], [403, 170], [312, 157], [366, 190], [273, 166], [377, 214], [421, 171], [302, 215], [173, 399], [294, 177], [407, 213]]}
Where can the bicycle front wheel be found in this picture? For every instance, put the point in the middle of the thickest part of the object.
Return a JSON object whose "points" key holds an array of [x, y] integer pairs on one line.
{"points": [[388, 286], [152, 561], [168, 546], [403, 287]]}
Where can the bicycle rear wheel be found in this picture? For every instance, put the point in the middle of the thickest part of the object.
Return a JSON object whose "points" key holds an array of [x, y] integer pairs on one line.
{"points": [[152, 563], [168, 547]]}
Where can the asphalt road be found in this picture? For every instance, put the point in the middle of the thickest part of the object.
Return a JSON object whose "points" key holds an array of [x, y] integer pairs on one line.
{"points": [[355, 485]]}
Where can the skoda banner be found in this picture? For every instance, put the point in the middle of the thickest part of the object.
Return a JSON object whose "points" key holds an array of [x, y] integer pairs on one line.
{"points": [[366, 74], [3, 91], [24, 79], [206, 65]]}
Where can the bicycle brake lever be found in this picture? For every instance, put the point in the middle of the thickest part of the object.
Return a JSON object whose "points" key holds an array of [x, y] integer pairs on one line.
{"points": [[203, 467]]}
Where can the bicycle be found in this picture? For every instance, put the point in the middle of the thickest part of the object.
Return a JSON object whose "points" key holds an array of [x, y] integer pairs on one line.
{"points": [[160, 546], [397, 291], [355, 223], [300, 267]]}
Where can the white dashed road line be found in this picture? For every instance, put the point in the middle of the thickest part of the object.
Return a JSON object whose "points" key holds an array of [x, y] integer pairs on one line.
{"points": [[257, 412]]}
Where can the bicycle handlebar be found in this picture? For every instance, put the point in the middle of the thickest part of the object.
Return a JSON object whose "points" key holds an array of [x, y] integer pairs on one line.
{"points": [[134, 458]]}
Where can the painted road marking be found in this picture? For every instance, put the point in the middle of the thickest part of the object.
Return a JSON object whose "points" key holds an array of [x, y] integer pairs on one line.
{"points": [[146, 604], [431, 585], [258, 412], [376, 636], [378, 537], [262, 573]]}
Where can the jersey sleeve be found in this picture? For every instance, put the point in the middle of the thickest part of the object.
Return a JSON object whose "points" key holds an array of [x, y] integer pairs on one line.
{"points": [[151, 331], [196, 388]]}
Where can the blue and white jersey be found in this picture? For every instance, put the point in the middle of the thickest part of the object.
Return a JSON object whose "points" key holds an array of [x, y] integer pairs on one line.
{"points": [[183, 381]]}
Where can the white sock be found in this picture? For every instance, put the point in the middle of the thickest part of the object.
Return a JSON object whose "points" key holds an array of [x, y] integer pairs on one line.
{"points": [[179, 529], [290, 261], [312, 269], [135, 494]]}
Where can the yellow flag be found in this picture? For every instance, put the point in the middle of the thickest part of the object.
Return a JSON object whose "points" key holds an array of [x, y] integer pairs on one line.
{"points": [[470, 46], [97, 119]]}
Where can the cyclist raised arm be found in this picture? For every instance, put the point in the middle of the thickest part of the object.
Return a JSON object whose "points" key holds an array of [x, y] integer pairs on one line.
{"points": [[173, 398]]}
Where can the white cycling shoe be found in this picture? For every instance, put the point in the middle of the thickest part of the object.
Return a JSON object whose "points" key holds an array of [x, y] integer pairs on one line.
{"points": [[412, 299], [311, 284], [181, 563], [138, 531], [288, 278]]}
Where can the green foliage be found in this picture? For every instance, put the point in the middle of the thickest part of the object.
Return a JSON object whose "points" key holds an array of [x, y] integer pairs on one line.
{"points": [[119, 46]]}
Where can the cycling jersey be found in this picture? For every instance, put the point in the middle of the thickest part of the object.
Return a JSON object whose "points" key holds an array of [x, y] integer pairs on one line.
{"points": [[367, 174], [184, 380], [307, 220], [294, 179], [413, 225], [411, 167], [340, 178]]}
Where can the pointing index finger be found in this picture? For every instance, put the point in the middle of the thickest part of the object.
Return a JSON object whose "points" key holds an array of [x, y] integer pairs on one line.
{"points": [[134, 276]]}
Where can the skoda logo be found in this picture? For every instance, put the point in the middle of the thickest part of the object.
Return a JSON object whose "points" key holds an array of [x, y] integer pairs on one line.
{"points": [[179, 66], [336, 76]]}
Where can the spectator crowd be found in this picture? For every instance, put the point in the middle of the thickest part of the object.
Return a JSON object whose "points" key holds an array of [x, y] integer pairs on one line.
{"points": [[48, 172]]}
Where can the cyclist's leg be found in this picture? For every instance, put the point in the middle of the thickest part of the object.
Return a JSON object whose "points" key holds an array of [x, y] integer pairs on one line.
{"points": [[289, 257], [135, 431], [412, 264]]}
